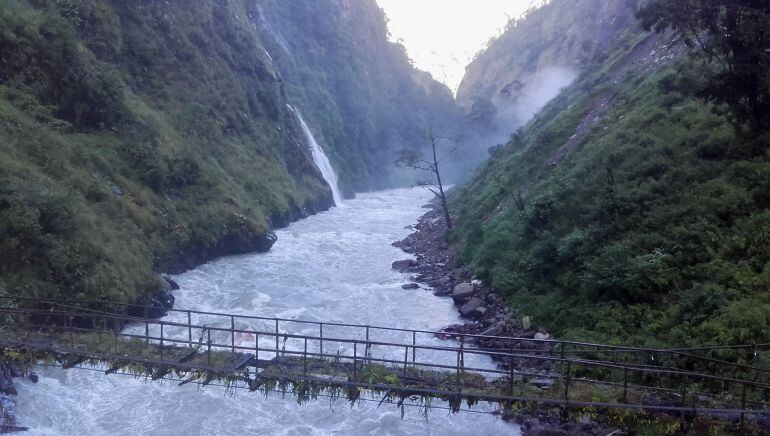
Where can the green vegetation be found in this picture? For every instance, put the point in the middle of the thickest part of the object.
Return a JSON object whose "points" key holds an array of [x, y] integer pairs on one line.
{"points": [[307, 377], [655, 227], [732, 38], [135, 138], [150, 136], [359, 93]]}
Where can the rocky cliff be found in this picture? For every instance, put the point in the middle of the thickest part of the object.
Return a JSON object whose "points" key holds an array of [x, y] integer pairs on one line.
{"points": [[360, 93]]}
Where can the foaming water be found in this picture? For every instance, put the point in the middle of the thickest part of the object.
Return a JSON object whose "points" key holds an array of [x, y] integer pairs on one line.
{"points": [[333, 266]]}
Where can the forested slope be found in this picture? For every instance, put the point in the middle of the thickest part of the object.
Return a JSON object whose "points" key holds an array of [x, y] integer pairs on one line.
{"points": [[628, 210], [138, 137]]}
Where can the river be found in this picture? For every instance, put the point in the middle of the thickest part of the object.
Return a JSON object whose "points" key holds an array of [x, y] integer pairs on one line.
{"points": [[334, 266]]}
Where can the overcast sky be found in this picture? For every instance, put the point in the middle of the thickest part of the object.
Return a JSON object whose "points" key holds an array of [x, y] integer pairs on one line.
{"points": [[442, 36]]}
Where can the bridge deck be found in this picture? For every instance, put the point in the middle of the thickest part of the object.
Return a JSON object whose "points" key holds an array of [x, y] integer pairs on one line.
{"points": [[395, 363]]}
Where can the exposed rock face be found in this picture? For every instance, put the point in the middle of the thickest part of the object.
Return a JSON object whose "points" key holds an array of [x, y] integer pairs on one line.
{"points": [[503, 72], [462, 292]]}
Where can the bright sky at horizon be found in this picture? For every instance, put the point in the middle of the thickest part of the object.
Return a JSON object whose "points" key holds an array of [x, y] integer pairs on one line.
{"points": [[443, 36]]}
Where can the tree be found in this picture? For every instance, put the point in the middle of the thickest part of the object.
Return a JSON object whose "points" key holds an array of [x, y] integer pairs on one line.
{"points": [[733, 38], [414, 159]]}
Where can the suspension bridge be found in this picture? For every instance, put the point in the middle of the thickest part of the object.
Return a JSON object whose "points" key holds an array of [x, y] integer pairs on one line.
{"points": [[311, 358]]}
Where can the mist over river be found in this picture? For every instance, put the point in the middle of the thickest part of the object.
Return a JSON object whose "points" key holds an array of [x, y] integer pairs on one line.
{"points": [[334, 266]]}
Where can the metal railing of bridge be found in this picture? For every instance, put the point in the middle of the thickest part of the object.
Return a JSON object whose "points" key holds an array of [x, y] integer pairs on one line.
{"points": [[395, 360]]}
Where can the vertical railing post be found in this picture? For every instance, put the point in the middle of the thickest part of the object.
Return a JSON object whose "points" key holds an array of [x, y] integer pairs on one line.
{"points": [[457, 374], [321, 335], [368, 351], [276, 338], [406, 358], [355, 357], [304, 360], [625, 384], [189, 329], [684, 391], [116, 336], [256, 348], [147, 332], [161, 341], [232, 334], [743, 405], [208, 346], [567, 379], [512, 351], [414, 347]]}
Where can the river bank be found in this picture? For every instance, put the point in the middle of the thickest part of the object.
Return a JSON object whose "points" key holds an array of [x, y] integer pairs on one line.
{"points": [[156, 304], [484, 313]]}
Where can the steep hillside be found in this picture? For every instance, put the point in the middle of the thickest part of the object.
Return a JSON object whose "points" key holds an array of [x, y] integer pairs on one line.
{"points": [[625, 211], [138, 137], [360, 93], [536, 56]]}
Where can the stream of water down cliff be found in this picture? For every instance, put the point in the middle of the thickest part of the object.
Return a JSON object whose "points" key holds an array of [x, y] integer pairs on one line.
{"points": [[334, 266]]}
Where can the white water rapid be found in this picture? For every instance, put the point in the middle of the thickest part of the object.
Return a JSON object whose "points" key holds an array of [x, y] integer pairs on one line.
{"points": [[334, 266], [321, 160]]}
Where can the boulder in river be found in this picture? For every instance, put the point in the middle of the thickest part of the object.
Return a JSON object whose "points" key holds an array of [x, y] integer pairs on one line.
{"points": [[442, 291], [152, 306], [474, 308], [404, 265], [462, 292], [410, 286]]}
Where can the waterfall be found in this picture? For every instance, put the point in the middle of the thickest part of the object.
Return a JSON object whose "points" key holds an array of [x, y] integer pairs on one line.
{"points": [[321, 160]]}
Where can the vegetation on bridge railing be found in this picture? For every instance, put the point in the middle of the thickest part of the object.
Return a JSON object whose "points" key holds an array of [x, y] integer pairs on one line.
{"points": [[580, 376]]}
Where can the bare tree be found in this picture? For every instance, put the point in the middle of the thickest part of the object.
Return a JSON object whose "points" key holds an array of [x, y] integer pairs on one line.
{"points": [[415, 159]]}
